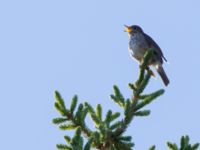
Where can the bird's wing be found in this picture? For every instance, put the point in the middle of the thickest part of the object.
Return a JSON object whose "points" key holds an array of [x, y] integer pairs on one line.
{"points": [[154, 45]]}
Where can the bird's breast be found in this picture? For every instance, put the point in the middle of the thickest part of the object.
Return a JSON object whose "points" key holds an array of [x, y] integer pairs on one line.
{"points": [[137, 46]]}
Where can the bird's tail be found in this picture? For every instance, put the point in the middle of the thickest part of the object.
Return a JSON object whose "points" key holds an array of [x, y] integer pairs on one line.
{"points": [[163, 75]]}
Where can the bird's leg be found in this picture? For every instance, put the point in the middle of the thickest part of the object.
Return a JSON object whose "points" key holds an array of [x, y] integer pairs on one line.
{"points": [[150, 71]]}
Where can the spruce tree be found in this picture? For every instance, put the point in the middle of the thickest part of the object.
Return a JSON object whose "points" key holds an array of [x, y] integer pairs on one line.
{"points": [[110, 131]]}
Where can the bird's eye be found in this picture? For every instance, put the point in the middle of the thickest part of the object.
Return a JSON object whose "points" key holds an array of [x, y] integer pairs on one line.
{"points": [[134, 28]]}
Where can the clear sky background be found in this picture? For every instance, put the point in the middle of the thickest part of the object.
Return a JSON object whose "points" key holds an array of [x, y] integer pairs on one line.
{"points": [[79, 47]]}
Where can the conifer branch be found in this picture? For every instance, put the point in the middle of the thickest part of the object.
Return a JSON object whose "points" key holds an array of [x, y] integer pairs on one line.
{"points": [[184, 144], [109, 133], [71, 120]]}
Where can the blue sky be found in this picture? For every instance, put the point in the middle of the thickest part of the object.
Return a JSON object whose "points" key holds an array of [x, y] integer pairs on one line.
{"points": [[79, 47]]}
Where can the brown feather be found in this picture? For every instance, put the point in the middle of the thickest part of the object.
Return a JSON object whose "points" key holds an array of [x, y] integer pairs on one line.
{"points": [[163, 75]]}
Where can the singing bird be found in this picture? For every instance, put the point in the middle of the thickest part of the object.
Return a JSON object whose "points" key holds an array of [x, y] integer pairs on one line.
{"points": [[139, 43]]}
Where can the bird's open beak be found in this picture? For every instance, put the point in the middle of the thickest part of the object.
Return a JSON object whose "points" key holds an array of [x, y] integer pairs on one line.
{"points": [[128, 29]]}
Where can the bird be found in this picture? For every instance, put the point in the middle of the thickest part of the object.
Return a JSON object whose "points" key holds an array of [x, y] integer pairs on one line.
{"points": [[140, 43]]}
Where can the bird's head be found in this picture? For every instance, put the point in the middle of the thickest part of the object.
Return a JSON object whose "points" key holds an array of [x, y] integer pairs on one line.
{"points": [[133, 29]]}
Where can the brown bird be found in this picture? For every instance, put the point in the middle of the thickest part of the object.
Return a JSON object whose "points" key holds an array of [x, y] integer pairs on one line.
{"points": [[139, 43]]}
